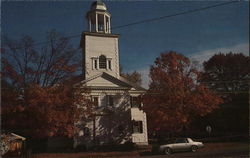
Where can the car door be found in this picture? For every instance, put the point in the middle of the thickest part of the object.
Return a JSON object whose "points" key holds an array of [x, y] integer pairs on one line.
{"points": [[186, 145], [189, 143], [180, 144]]}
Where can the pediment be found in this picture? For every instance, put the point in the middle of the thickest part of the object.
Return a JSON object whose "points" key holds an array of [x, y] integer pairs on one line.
{"points": [[104, 80]]}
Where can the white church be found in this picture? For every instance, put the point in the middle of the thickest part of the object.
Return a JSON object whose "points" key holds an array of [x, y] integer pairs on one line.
{"points": [[119, 117]]}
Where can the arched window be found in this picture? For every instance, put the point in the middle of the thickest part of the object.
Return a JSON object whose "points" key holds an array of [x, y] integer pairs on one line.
{"points": [[102, 62]]}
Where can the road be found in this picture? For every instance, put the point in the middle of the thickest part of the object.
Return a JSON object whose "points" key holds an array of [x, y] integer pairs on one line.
{"points": [[215, 150], [211, 150]]}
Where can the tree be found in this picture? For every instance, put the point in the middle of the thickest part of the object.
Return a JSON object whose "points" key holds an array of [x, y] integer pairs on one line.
{"points": [[23, 64], [229, 75], [50, 111], [227, 72], [38, 94], [175, 97], [134, 77]]}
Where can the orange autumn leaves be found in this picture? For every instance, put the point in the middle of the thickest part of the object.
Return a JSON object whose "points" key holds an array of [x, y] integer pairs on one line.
{"points": [[38, 98], [175, 97], [47, 112]]}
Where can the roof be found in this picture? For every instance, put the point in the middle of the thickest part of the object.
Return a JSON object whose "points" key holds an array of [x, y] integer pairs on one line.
{"points": [[121, 82], [12, 136], [132, 84], [18, 136], [98, 5]]}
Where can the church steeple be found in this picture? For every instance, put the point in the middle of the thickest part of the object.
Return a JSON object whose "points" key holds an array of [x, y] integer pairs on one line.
{"points": [[99, 46], [98, 18]]}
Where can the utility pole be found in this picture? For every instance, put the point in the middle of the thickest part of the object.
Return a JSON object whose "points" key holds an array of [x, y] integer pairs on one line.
{"points": [[249, 102]]}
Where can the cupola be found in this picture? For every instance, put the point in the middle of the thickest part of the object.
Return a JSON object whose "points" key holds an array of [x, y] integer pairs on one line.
{"points": [[98, 18]]}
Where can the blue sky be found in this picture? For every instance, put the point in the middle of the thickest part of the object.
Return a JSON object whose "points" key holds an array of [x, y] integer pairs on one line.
{"points": [[197, 35]]}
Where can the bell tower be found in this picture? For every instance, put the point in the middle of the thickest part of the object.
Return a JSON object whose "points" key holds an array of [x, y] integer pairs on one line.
{"points": [[98, 18], [99, 46]]}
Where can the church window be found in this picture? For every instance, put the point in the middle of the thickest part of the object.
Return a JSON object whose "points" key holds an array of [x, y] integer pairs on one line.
{"points": [[86, 131], [137, 127], [95, 63], [110, 100], [109, 64], [102, 62], [95, 99], [135, 102]]}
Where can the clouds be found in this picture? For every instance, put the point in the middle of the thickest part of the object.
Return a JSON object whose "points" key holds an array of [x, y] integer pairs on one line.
{"points": [[205, 55], [145, 76]]}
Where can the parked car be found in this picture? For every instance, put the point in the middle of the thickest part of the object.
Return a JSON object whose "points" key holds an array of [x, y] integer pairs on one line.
{"points": [[175, 145]]}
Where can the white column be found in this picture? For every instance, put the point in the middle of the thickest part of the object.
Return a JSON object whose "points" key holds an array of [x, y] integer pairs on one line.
{"points": [[96, 22], [104, 23], [89, 24], [111, 66], [109, 25], [107, 64]]}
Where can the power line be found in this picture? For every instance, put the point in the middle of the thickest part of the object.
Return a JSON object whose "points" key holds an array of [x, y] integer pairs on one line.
{"points": [[150, 20], [172, 15], [233, 81], [216, 92]]}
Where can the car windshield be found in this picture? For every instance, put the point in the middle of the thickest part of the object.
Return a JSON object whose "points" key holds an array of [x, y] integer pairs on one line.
{"points": [[181, 140], [190, 140], [166, 141]]}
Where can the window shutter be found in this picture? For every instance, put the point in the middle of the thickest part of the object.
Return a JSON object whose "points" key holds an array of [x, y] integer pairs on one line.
{"points": [[131, 101], [141, 129], [111, 100], [95, 62]]}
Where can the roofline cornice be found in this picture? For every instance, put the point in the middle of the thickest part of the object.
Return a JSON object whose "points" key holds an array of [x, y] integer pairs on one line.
{"points": [[100, 34]]}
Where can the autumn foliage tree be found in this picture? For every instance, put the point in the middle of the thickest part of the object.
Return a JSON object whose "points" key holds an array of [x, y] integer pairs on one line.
{"points": [[227, 72], [229, 75], [175, 97], [24, 63], [38, 93], [50, 111]]}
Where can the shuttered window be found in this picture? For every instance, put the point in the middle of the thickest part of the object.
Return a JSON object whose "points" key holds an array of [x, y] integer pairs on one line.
{"points": [[137, 127], [135, 101], [95, 99], [110, 100], [102, 62]]}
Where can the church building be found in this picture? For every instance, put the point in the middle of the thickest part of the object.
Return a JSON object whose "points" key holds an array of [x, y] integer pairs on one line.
{"points": [[119, 117]]}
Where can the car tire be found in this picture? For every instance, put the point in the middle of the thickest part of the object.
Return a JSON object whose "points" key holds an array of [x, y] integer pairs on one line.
{"points": [[167, 151], [194, 148]]}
